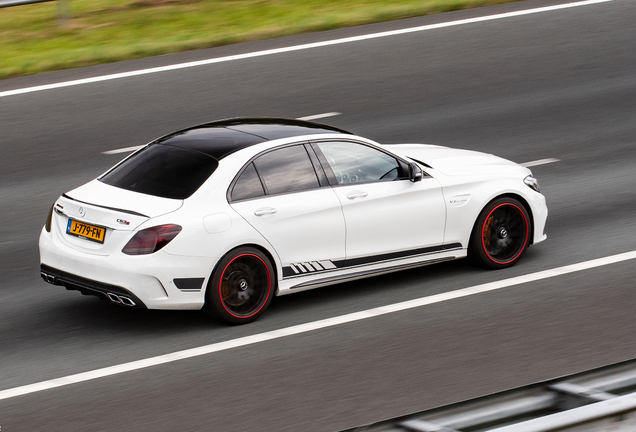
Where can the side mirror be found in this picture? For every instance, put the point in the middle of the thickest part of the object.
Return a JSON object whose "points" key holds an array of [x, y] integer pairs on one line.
{"points": [[415, 173]]}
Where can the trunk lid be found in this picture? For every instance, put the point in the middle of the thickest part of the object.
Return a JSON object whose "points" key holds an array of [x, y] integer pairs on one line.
{"points": [[108, 214]]}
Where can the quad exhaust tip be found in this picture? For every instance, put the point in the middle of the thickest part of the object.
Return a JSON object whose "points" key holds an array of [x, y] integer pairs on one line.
{"points": [[48, 278], [87, 289], [120, 299]]}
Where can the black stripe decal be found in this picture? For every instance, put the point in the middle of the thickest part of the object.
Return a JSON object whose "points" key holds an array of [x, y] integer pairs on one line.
{"points": [[367, 273], [394, 255], [354, 262]]}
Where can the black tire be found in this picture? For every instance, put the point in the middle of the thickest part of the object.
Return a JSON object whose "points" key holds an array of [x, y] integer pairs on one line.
{"points": [[501, 234], [241, 286]]}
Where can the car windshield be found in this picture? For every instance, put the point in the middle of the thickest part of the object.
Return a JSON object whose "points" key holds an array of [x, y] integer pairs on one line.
{"points": [[163, 171]]}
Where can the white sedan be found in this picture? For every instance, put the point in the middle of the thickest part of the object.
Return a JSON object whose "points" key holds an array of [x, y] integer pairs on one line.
{"points": [[226, 215]]}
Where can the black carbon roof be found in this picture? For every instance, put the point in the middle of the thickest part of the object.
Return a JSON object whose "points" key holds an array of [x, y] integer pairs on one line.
{"points": [[221, 138]]}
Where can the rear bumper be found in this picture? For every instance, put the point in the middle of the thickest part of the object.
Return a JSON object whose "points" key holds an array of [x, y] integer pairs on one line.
{"points": [[115, 294], [156, 281]]}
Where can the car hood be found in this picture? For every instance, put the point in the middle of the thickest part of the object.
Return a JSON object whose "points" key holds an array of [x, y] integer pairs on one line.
{"points": [[452, 162]]}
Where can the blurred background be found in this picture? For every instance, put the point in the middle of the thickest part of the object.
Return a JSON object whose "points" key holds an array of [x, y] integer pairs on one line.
{"points": [[555, 85], [46, 35]]}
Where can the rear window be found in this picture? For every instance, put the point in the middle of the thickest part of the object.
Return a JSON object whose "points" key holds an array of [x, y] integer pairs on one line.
{"points": [[163, 171]]}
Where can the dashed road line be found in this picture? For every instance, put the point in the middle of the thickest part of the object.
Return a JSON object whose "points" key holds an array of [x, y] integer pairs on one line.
{"points": [[319, 116], [540, 162], [122, 150]]}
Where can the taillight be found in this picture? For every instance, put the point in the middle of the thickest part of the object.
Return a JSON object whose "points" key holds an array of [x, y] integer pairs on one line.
{"points": [[151, 240], [49, 219]]}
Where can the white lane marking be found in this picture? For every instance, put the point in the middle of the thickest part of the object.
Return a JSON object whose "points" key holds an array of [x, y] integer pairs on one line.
{"points": [[311, 117], [297, 48], [319, 116], [122, 150], [311, 326], [540, 162]]}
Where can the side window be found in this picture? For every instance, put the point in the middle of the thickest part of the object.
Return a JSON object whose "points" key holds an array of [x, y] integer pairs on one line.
{"points": [[358, 163], [248, 185], [287, 170]]}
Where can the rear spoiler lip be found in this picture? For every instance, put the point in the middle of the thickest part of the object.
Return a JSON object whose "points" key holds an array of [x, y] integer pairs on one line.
{"points": [[105, 207]]}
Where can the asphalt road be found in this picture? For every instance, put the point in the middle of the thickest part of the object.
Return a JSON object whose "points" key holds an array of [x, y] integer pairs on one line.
{"points": [[559, 84]]}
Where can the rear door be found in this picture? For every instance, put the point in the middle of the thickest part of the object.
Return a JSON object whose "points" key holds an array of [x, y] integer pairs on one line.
{"points": [[284, 195]]}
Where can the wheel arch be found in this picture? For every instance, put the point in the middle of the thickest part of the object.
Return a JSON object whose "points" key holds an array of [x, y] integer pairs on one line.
{"points": [[523, 202], [260, 248], [216, 307]]}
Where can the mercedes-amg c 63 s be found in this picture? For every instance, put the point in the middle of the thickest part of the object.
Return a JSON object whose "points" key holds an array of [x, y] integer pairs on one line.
{"points": [[226, 215]]}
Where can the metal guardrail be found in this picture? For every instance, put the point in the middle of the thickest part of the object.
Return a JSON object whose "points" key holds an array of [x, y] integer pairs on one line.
{"points": [[602, 399]]}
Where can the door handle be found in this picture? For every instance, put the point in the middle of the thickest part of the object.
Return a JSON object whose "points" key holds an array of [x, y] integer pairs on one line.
{"points": [[265, 211], [357, 194]]}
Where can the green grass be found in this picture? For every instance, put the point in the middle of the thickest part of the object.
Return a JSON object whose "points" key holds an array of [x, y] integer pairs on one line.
{"points": [[101, 31]]}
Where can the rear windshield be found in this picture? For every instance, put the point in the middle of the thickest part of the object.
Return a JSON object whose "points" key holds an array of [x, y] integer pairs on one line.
{"points": [[163, 171]]}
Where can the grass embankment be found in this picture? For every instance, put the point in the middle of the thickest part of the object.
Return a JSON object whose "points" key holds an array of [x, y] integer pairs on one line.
{"points": [[101, 31]]}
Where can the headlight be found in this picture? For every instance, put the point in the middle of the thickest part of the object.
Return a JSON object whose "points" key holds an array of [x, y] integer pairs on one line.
{"points": [[532, 183]]}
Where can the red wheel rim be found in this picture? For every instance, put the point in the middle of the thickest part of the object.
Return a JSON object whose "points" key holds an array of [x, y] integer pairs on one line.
{"points": [[245, 285], [504, 233]]}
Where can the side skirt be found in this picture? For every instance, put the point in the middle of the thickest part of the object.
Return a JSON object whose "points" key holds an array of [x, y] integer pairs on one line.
{"points": [[316, 279], [300, 269]]}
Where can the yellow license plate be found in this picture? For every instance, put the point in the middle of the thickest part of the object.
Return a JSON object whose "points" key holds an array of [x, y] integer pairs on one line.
{"points": [[85, 231]]}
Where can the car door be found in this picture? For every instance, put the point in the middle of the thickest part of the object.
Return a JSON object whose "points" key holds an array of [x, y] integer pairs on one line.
{"points": [[384, 211], [286, 197]]}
